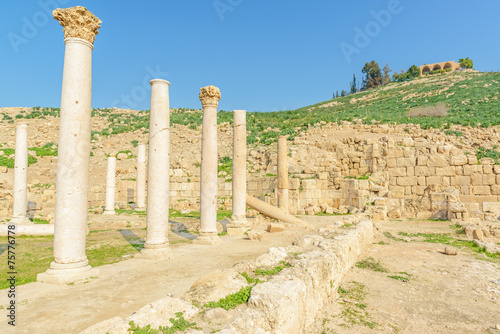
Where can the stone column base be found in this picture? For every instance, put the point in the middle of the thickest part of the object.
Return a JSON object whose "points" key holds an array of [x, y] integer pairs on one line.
{"points": [[67, 273], [20, 221], [140, 209], [207, 238], [110, 212], [155, 252], [241, 223]]}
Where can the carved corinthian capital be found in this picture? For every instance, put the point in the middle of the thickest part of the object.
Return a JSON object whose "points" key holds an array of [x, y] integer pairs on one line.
{"points": [[209, 96], [78, 22]]}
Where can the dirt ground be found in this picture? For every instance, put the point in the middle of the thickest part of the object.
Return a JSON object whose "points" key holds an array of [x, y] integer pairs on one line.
{"points": [[443, 294]]}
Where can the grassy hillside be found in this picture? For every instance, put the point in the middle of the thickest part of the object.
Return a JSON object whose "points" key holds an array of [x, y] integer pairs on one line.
{"points": [[470, 98]]}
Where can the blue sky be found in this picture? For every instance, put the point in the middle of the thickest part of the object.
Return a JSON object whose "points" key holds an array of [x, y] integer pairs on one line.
{"points": [[263, 55]]}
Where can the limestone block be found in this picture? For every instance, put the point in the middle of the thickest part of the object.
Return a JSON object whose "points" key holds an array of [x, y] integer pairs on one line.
{"points": [[472, 160], [400, 171], [424, 171], [481, 190], [215, 286], [487, 169], [487, 161], [114, 325], [410, 171], [489, 179], [422, 160], [158, 313], [276, 227], [445, 171], [458, 160], [477, 234], [471, 169], [397, 192], [495, 189], [391, 163], [406, 162], [433, 180], [407, 181], [496, 169], [421, 180], [437, 160]]}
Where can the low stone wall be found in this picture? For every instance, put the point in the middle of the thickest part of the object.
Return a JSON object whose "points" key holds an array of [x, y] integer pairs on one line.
{"points": [[288, 303]]}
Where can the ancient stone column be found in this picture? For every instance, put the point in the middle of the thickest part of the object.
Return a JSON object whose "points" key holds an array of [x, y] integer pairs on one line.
{"points": [[209, 97], [282, 174], [110, 187], [73, 161], [140, 179], [20, 211], [157, 244], [239, 192]]}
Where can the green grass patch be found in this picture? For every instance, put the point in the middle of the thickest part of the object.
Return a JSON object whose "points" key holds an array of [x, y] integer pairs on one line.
{"points": [[355, 314], [399, 278], [482, 152], [233, 300], [273, 271], [46, 150], [179, 324], [33, 256], [371, 264], [40, 221], [107, 254]]}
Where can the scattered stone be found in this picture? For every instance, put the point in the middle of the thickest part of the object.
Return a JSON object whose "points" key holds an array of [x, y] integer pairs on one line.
{"points": [[477, 234], [449, 250], [121, 156], [275, 227], [98, 210], [255, 235], [3, 169]]}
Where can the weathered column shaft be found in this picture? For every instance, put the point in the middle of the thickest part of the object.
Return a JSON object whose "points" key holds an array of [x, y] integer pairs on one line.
{"points": [[282, 174], [158, 172], [110, 186], [73, 162], [209, 97], [239, 192], [20, 194], [141, 178]]}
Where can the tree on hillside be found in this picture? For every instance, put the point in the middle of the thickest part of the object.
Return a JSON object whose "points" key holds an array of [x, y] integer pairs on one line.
{"points": [[373, 75], [466, 63], [336, 94], [343, 93], [353, 84], [414, 72], [386, 77]]}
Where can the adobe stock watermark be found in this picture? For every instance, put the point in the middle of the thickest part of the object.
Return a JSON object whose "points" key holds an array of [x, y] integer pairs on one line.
{"points": [[140, 92], [372, 29], [223, 6], [31, 27]]}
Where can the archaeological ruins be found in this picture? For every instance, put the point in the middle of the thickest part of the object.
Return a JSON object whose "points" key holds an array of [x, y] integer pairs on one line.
{"points": [[446, 66]]}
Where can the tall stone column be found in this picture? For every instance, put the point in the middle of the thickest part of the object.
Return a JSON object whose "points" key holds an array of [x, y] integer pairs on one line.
{"points": [[157, 244], [239, 192], [73, 160], [140, 179], [282, 174], [20, 211], [110, 187], [209, 97]]}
